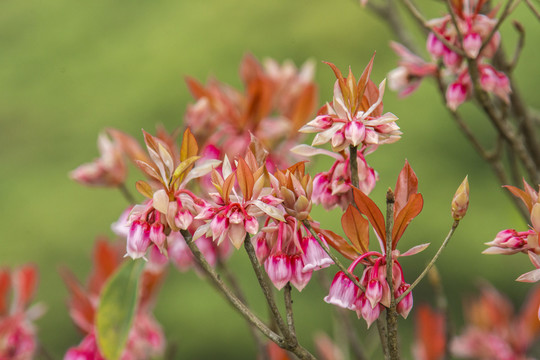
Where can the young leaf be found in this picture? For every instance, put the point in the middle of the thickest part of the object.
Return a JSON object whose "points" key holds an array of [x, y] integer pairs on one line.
{"points": [[228, 184], [144, 189], [189, 146], [364, 79], [372, 212], [356, 228], [182, 168], [116, 309], [406, 185], [245, 179], [526, 198], [404, 217]]}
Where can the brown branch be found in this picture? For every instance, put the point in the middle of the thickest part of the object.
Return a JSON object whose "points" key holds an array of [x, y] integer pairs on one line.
{"points": [[391, 312], [507, 10], [288, 309], [533, 9]]}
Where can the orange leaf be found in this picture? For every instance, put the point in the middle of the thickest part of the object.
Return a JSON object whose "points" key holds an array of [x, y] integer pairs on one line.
{"points": [[189, 146], [304, 106], [338, 243], [372, 212], [245, 179], [129, 145], [144, 189], [149, 170], [364, 79], [406, 185], [526, 198], [356, 228], [338, 74], [227, 187], [410, 211], [25, 283], [196, 89]]}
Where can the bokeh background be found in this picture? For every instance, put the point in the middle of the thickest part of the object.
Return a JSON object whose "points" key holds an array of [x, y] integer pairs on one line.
{"points": [[68, 69]]}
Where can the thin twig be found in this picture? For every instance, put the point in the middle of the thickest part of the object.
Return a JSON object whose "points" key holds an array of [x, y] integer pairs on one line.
{"points": [[507, 10], [391, 313], [233, 282], [519, 47], [229, 295], [267, 291], [431, 263], [533, 9], [421, 20], [288, 309], [127, 194]]}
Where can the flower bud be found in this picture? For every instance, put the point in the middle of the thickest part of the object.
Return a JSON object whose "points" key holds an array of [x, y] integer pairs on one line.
{"points": [[460, 202]]}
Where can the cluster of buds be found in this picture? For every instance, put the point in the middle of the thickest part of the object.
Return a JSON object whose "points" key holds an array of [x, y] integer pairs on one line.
{"points": [[375, 291], [146, 339], [288, 254], [18, 339], [369, 303], [473, 38], [354, 119], [510, 241]]}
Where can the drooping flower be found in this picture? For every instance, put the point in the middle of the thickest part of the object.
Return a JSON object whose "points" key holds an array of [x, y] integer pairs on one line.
{"points": [[376, 292], [412, 69]]}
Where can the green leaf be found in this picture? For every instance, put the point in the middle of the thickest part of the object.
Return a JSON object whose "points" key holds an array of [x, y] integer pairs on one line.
{"points": [[117, 308]]}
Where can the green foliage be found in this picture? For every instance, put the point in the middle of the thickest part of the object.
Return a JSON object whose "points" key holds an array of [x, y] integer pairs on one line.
{"points": [[117, 309]]}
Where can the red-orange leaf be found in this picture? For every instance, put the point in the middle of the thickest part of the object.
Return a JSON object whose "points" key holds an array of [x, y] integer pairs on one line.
{"points": [[337, 242], [245, 179], [406, 185], [356, 228], [521, 194], [404, 217], [5, 285], [195, 88], [363, 81], [338, 74], [129, 145], [227, 187], [372, 212]]}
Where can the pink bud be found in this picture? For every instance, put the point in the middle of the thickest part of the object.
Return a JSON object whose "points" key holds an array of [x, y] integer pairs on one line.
{"points": [[236, 217], [451, 59], [435, 46], [157, 236], [456, 94], [355, 132], [343, 292], [251, 225], [278, 268], [183, 219], [299, 277], [179, 252], [472, 43], [314, 256], [404, 306], [338, 140], [261, 247], [218, 225], [366, 310], [374, 292], [138, 240]]}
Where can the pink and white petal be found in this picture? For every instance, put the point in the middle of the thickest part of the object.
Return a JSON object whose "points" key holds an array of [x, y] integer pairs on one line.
{"points": [[535, 259], [531, 276], [271, 211], [415, 249], [494, 250], [307, 151], [200, 170], [325, 136]]}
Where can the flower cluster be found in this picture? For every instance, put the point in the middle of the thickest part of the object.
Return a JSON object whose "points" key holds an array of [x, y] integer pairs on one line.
{"points": [[354, 119], [146, 339], [17, 332], [376, 292], [474, 37]]}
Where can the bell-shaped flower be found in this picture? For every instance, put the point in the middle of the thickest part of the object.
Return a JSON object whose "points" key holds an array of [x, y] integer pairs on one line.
{"points": [[314, 256], [343, 292], [279, 269]]}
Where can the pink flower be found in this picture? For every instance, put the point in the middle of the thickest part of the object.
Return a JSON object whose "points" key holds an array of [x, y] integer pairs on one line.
{"points": [[356, 115], [279, 269], [314, 257], [108, 170], [343, 292], [412, 69], [495, 82], [459, 91]]}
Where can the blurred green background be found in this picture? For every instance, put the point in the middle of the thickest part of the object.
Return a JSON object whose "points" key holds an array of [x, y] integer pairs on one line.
{"points": [[68, 69]]}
